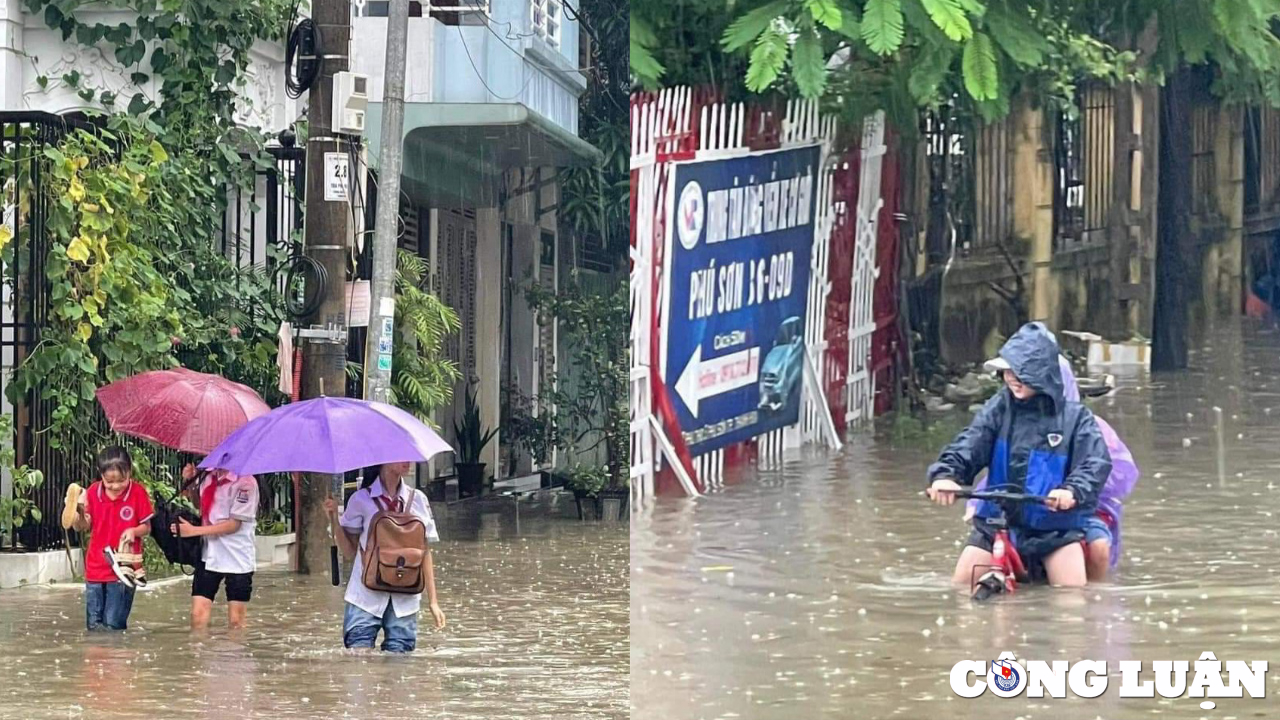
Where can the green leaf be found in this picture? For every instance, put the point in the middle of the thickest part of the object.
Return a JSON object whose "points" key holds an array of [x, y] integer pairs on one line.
{"points": [[928, 71], [950, 18], [1194, 33], [767, 60], [1016, 36], [120, 34], [72, 79], [139, 51], [850, 27], [52, 15], [826, 12], [808, 65], [882, 26], [746, 29], [160, 60], [978, 66], [43, 81], [87, 34], [139, 78], [226, 73], [138, 104]]}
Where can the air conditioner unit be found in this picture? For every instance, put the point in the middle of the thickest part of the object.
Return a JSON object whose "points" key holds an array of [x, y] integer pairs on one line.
{"points": [[350, 102]]}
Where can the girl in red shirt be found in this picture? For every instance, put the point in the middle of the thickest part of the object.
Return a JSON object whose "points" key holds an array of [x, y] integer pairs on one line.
{"points": [[116, 511]]}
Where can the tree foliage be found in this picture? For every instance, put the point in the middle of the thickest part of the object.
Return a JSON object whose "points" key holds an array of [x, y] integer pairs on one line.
{"points": [[887, 54]]}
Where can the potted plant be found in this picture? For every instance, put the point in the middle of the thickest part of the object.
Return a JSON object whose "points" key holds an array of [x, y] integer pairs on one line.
{"points": [[592, 483], [473, 436], [16, 510]]}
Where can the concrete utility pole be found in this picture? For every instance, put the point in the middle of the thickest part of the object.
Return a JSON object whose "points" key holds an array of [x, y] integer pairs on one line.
{"points": [[381, 337], [328, 235]]}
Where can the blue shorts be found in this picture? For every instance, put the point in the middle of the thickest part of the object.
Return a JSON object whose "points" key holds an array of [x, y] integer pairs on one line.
{"points": [[1095, 528]]}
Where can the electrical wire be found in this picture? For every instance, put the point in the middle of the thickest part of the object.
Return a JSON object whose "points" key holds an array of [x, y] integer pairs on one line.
{"points": [[480, 75], [296, 81], [293, 270], [373, 178]]}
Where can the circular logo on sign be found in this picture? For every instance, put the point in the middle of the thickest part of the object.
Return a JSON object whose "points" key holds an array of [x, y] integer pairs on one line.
{"points": [[1006, 676], [691, 212], [126, 513]]}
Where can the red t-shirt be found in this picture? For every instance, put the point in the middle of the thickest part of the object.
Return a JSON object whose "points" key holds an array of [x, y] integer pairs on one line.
{"points": [[108, 520]]}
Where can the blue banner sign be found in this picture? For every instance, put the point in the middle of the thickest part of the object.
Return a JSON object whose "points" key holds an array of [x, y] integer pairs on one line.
{"points": [[737, 288]]}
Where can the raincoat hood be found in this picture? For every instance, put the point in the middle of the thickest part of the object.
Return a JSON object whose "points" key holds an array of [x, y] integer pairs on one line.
{"points": [[1032, 354]]}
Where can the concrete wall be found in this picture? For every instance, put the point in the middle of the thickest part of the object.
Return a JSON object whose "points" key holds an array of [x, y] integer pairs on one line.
{"points": [[29, 49]]}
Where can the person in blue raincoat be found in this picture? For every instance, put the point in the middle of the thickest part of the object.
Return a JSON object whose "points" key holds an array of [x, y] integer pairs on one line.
{"points": [[1032, 440]]}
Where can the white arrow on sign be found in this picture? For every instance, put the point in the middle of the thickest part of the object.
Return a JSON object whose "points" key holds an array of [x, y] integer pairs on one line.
{"points": [[701, 380]]}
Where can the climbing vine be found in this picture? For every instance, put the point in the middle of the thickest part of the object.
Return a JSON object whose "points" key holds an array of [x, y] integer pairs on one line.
{"points": [[133, 282], [136, 209]]}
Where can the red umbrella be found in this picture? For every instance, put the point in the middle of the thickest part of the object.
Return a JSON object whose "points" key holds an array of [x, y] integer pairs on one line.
{"points": [[180, 408]]}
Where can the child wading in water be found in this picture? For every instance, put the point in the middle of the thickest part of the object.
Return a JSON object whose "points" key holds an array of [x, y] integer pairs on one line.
{"points": [[116, 511], [370, 610], [1032, 440], [229, 513], [1102, 530]]}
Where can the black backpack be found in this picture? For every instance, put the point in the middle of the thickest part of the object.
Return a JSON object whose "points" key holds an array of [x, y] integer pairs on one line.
{"points": [[177, 550]]}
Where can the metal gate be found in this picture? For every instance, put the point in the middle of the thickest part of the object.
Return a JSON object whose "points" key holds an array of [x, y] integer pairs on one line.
{"points": [[269, 213], [695, 124]]}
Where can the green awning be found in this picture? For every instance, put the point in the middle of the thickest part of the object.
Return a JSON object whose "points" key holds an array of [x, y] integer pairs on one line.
{"points": [[455, 153]]}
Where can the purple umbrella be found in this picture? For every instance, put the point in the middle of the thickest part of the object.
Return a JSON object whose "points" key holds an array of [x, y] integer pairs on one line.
{"points": [[326, 435]]}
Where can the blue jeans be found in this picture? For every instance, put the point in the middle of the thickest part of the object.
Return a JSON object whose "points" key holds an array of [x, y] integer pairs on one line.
{"points": [[107, 605], [360, 629]]}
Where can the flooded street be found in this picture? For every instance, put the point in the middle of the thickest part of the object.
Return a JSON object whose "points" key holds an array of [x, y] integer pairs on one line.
{"points": [[538, 628], [821, 589]]}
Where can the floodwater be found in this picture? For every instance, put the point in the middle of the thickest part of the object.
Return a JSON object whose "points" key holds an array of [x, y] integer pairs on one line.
{"points": [[538, 628], [821, 589]]}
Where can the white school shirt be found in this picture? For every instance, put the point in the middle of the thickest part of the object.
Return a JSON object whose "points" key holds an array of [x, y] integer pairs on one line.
{"points": [[360, 510], [235, 499]]}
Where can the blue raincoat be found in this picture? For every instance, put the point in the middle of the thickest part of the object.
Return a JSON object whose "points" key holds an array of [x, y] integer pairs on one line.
{"points": [[1034, 445]]}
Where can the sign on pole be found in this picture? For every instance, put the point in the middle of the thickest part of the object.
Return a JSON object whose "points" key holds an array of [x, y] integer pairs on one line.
{"points": [[736, 289], [337, 177]]}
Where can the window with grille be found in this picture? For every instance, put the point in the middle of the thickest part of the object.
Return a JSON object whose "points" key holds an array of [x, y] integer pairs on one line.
{"points": [[1084, 157], [547, 17]]}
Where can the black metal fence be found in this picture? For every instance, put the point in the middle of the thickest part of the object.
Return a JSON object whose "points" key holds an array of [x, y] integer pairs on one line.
{"points": [[1084, 160], [268, 215], [970, 182]]}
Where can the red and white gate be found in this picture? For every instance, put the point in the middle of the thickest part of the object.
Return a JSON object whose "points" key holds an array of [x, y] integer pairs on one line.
{"points": [[685, 123]]}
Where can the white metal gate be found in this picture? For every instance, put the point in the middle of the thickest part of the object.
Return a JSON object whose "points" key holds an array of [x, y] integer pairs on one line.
{"points": [[860, 385], [661, 126]]}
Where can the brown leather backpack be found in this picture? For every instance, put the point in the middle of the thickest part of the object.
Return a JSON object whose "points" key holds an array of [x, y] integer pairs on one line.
{"points": [[395, 551]]}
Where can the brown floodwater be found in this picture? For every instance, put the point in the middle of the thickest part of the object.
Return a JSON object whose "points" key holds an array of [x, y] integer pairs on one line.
{"points": [[821, 589], [538, 628]]}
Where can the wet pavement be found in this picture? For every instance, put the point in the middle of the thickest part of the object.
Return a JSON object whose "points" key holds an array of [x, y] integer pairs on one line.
{"points": [[538, 628], [821, 589]]}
